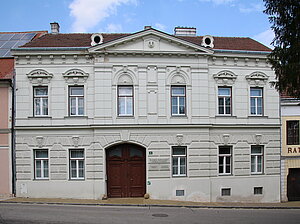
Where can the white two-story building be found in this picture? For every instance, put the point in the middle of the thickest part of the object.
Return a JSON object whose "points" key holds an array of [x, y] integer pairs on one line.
{"points": [[123, 115]]}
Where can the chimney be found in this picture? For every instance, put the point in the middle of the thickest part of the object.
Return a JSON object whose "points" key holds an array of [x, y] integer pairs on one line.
{"points": [[185, 31], [147, 27], [54, 28]]}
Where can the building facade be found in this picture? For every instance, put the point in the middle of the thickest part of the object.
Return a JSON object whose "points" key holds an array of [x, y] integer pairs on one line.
{"points": [[178, 117], [290, 155], [6, 78]]}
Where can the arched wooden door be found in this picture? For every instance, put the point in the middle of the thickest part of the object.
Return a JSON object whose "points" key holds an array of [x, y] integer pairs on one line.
{"points": [[126, 171]]}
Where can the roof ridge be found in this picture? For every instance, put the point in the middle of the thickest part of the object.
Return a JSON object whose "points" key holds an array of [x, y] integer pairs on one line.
{"points": [[40, 31]]}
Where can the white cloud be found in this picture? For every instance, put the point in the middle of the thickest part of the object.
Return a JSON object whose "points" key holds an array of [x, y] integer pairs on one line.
{"points": [[265, 37], [259, 7], [160, 26], [88, 13], [114, 28], [218, 2]]}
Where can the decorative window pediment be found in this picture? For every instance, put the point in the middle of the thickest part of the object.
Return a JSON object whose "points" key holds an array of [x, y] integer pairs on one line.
{"points": [[178, 80], [75, 76], [225, 78], [257, 78], [39, 76]]}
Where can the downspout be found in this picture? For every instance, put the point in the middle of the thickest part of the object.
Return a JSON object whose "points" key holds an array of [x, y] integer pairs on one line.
{"points": [[13, 145]]}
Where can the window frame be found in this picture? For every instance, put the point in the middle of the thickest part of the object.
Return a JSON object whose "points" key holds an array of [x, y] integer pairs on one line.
{"points": [[125, 96], [256, 156], [256, 101], [41, 99], [77, 160], [295, 138], [77, 97], [224, 101], [179, 157], [178, 105], [42, 160], [224, 163]]}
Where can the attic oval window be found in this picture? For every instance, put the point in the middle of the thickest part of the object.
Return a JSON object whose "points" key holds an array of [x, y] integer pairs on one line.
{"points": [[207, 41], [97, 39]]}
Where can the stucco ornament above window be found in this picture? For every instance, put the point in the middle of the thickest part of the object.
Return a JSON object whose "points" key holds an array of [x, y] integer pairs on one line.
{"points": [[225, 78], [75, 76], [39, 76], [257, 78]]}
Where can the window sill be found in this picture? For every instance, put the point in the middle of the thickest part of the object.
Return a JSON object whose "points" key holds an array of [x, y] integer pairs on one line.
{"points": [[178, 116], [256, 174], [76, 117], [42, 179], [125, 116], [39, 117], [81, 179], [225, 174], [227, 116], [257, 116], [179, 176]]}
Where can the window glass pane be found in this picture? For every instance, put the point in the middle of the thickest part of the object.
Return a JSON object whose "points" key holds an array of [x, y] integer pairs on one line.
{"points": [[41, 91], [178, 151], [77, 154], [259, 163], [129, 106], [38, 164], [135, 152], [125, 91], [255, 92], [76, 91], [122, 105], [115, 152], [41, 154], [224, 150], [80, 106], [80, 164], [37, 109], [175, 166], [256, 149], [181, 110], [81, 173], [224, 91], [178, 91], [221, 164], [45, 106], [73, 106], [73, 164], [38, 172], [253, 164], [73, 173]]}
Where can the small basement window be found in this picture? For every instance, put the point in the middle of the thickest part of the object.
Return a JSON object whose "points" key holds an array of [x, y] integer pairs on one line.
{"points": [[179, 192], [225, 191], [258, 190]]}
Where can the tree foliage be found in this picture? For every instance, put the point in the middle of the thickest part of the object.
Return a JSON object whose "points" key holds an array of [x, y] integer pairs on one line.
{"points": [[284, 15]]}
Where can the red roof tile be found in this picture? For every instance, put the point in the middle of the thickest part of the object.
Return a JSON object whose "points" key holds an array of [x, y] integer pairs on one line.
{"points": [[6, 68], [84, 40]]}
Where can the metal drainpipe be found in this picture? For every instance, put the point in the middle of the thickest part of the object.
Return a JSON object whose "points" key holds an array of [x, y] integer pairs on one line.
{"points": [[13, 152]]}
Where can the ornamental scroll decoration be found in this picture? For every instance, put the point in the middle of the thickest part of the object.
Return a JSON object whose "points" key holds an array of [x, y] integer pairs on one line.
{"points": [[39, 76], [257, 78], [226, 139], [225, 78], [179, 138], [75, 76], [258, 138], [75, 140]]}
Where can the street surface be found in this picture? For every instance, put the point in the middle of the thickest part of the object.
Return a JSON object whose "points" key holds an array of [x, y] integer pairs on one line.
{"points": [[50, 214]]}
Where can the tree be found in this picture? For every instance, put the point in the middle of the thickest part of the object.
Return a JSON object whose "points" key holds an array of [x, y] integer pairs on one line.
{"points": [[284, 15]]}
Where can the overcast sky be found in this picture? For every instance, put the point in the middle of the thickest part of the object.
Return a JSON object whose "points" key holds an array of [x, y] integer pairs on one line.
{"points": [[229, 18]]}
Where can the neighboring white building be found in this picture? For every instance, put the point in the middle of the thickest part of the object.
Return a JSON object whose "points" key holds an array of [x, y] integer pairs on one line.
{"points": [[290, 154], [178, 117]]}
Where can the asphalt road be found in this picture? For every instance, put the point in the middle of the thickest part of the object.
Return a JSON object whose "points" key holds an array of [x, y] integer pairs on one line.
{"points": [[27, 213]]}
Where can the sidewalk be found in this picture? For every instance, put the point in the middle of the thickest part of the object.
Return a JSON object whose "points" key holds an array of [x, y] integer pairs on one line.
{"points": [[141, 202]]}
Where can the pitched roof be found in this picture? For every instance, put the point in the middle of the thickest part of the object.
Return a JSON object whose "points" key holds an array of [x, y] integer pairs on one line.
{"points": [[84, 40]]}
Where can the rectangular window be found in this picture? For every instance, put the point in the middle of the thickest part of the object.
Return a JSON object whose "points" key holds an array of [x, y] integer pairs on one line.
{"points": [[179, 161], [125, 100], [224, 100], [256, 159], [41, 162], [76, 100], [258, 190], [256, 101], [226, 191], [76, 164], [178, 100], [40, 99], [224, 160], [292, 129]]}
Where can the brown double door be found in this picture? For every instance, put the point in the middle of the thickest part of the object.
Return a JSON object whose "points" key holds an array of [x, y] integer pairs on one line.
{"points": [[293, 184], [126, 171]]}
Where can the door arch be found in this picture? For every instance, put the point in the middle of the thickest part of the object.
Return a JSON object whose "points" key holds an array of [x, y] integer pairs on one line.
{"points": [[126, 171]]}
